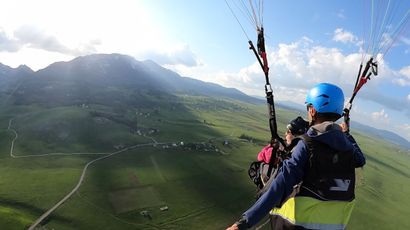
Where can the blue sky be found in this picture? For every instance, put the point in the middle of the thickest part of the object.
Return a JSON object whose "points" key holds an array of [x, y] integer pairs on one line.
{"points": [[307, 42]]}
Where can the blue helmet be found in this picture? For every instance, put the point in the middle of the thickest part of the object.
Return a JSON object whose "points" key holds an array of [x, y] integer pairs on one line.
{"points": [[326, 98]]}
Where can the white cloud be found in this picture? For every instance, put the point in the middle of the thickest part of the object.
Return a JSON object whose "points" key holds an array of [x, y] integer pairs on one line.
{"points": [[303, 64], [359, 114], [249, 79], [401, 82], [403, 130], [33, 37], [300, 65], [32, 57], [408, 97], [381, 117], [405, 71], [179, 55], [386, 42], [405, 40], [7, 43], [341, 14], [297, 66], [294, 68], [111, 27], [404, 78], [340, 35], [306, 40]]}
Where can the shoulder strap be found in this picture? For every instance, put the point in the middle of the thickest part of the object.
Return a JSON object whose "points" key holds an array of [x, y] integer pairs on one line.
{"points": [[310, 145], [273, 162], [308, 140]]}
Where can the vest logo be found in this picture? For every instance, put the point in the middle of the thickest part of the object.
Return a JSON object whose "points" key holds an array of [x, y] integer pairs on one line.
{"points": [[341, 185]]}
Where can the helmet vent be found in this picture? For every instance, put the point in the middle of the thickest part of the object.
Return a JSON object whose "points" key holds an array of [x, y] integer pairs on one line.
{"points": [[326, 98]]}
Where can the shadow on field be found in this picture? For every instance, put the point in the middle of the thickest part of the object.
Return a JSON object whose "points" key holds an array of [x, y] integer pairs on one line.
{"points": [[29, 208], [62, 121], [379, 162], [197, 185]]}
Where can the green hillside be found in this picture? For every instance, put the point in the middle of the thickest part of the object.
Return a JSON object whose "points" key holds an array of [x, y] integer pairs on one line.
{"points": [[202, 181]]}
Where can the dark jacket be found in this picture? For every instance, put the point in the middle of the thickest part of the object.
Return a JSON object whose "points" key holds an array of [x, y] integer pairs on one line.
{"points": [[294, 168]]}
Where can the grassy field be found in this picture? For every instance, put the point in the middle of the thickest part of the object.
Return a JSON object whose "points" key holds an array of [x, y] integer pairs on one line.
{"points": [[204, 183], [382, 197]]}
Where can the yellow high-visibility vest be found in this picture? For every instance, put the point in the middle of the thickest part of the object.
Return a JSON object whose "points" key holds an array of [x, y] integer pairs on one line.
{"points": [[312, 213]]}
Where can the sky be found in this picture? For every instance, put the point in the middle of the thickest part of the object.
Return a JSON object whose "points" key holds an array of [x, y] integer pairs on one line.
{"points": [[307, 42]]}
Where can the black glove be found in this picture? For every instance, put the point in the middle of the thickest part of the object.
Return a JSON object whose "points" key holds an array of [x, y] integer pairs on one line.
{"points": [[242, 225]]}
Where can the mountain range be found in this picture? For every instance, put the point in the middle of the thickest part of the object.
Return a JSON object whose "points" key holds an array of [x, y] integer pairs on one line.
{"points": [[82, 75], [112, 79]]}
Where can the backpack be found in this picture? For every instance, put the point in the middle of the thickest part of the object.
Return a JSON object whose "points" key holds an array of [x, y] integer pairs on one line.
{"points": [[262, 174]]}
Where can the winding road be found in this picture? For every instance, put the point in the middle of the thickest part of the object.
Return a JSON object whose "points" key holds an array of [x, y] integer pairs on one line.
{"points": [[46, 214], [40, 155], [80, 181]]}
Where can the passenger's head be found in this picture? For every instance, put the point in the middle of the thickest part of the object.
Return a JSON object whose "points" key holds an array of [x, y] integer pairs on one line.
{"points": [[324, 103], [296, 127]]}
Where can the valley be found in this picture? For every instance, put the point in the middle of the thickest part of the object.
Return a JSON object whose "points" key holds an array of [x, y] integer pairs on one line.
{"points": [[170, 159]]}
